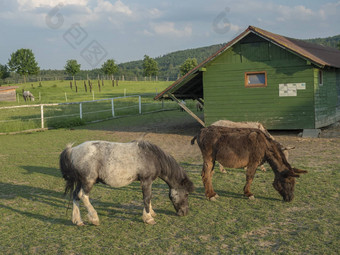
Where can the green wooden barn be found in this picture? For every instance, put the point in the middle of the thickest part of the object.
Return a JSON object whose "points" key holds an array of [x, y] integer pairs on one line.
{"points": [[281, 82]]}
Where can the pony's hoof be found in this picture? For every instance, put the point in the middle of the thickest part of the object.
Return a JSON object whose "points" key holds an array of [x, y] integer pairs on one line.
{"points": [[251, 197], [79, 224], [150, 221], [95, 222], [93, 219]]}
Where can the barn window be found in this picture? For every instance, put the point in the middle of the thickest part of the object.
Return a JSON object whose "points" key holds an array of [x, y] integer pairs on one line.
{"points": [[255, 79], [320, 78]]}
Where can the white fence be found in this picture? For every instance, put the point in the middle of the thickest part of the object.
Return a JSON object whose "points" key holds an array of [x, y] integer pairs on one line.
{"points": [[33, 116]]}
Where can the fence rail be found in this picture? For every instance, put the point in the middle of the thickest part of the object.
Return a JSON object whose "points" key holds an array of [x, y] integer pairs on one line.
{"points": [[35, 116]]}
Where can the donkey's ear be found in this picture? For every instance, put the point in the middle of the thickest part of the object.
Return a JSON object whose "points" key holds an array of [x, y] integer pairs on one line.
{"points": [[299, 171], [289, 173]]}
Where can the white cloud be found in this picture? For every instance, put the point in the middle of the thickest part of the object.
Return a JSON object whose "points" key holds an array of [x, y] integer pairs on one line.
{"points": [[169, 29], [117, 7], [26, 5], [329, 9], [299, 12]]}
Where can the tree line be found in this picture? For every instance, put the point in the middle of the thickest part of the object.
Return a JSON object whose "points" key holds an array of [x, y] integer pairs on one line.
{"points": [[22, 62]]}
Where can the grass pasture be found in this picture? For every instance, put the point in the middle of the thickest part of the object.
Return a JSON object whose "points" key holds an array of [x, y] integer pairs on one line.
{"points": [[35, 219], [67, 115]]}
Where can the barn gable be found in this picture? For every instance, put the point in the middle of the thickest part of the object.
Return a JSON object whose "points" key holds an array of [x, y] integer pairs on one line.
{"points": [[261, 76]]}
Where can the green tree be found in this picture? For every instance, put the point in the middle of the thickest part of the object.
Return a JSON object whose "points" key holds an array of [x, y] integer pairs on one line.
{"points": [[150, 66], [23, 63], [109, 67], [72, 67], [4, 72], [188, 64]]}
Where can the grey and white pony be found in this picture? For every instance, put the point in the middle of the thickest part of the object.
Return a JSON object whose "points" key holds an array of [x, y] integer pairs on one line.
{"points": [[117, 165], [28, 95]]}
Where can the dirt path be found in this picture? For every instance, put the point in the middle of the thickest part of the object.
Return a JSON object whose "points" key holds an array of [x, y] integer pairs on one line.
{"points": [[175, 136]]}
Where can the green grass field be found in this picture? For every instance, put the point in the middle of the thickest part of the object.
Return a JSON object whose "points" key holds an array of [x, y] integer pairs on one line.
{"points": [[35, 219], [54, 91], [19, 119]]}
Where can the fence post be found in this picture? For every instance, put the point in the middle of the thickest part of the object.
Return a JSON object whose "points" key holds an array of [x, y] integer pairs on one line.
{"points": [[113, 108], [42, 115], [140, 104], [81, 111]]}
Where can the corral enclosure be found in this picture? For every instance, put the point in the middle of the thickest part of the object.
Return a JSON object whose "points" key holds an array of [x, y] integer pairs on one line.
{"points": [[58, 105], [36, 219]]}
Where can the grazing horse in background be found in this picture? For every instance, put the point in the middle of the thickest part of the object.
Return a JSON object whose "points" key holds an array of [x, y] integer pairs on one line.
{"points": [[28, 95], [117, 165], [199, 106], [258, 125], [244, 147]]}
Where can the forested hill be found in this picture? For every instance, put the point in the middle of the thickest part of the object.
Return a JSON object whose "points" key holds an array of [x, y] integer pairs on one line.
{"points": [[332, 41], [169, 64]]}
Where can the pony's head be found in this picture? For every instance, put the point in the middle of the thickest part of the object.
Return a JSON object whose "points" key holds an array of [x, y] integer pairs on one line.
{"points": [[179, 196], [284, 183]]}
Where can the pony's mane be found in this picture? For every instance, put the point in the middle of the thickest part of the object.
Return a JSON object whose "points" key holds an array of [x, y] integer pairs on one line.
{"points": [[168, 165]]}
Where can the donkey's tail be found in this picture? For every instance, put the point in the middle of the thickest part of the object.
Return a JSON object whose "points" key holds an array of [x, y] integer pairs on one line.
{"points": [[69, 173], [193, 140]]}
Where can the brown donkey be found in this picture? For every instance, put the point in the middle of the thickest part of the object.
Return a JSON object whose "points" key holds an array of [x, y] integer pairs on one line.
{"points": [[244, 147]]}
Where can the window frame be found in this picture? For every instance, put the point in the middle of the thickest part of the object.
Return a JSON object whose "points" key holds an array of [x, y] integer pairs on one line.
{"points": [[258, 85]]}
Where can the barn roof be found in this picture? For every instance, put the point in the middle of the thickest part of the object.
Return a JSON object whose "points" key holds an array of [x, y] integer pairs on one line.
{"points": [[5, 88], [321, 56]]}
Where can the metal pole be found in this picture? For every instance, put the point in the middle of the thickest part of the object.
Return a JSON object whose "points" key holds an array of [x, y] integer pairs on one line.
{"points": [[81, 110], [42, 115], [113, 108], [140, 105]]}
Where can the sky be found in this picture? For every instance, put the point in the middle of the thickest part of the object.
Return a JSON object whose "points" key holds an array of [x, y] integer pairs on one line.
{"points": [[92, 31]]}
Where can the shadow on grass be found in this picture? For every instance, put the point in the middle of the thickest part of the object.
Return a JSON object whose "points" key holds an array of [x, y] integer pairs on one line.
{"points": [[42, 170], [51, 198], [40, 217]]}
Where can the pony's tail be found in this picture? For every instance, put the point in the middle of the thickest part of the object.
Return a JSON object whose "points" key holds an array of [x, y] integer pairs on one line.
{"points": [[193, 140], [67, 170]]}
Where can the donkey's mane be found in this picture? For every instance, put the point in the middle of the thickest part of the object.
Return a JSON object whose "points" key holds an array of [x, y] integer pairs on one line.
{"points": [[275, 148], [168, 165]]}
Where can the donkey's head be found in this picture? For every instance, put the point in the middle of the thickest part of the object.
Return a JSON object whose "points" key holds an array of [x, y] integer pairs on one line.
{"points": [[284, 183], [179, 196]]}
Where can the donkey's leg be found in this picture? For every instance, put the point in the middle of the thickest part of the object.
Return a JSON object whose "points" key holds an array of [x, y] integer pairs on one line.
{"points": [[148, 213], [207, 172], [76, 218], [251, 169], [92, 213]]}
